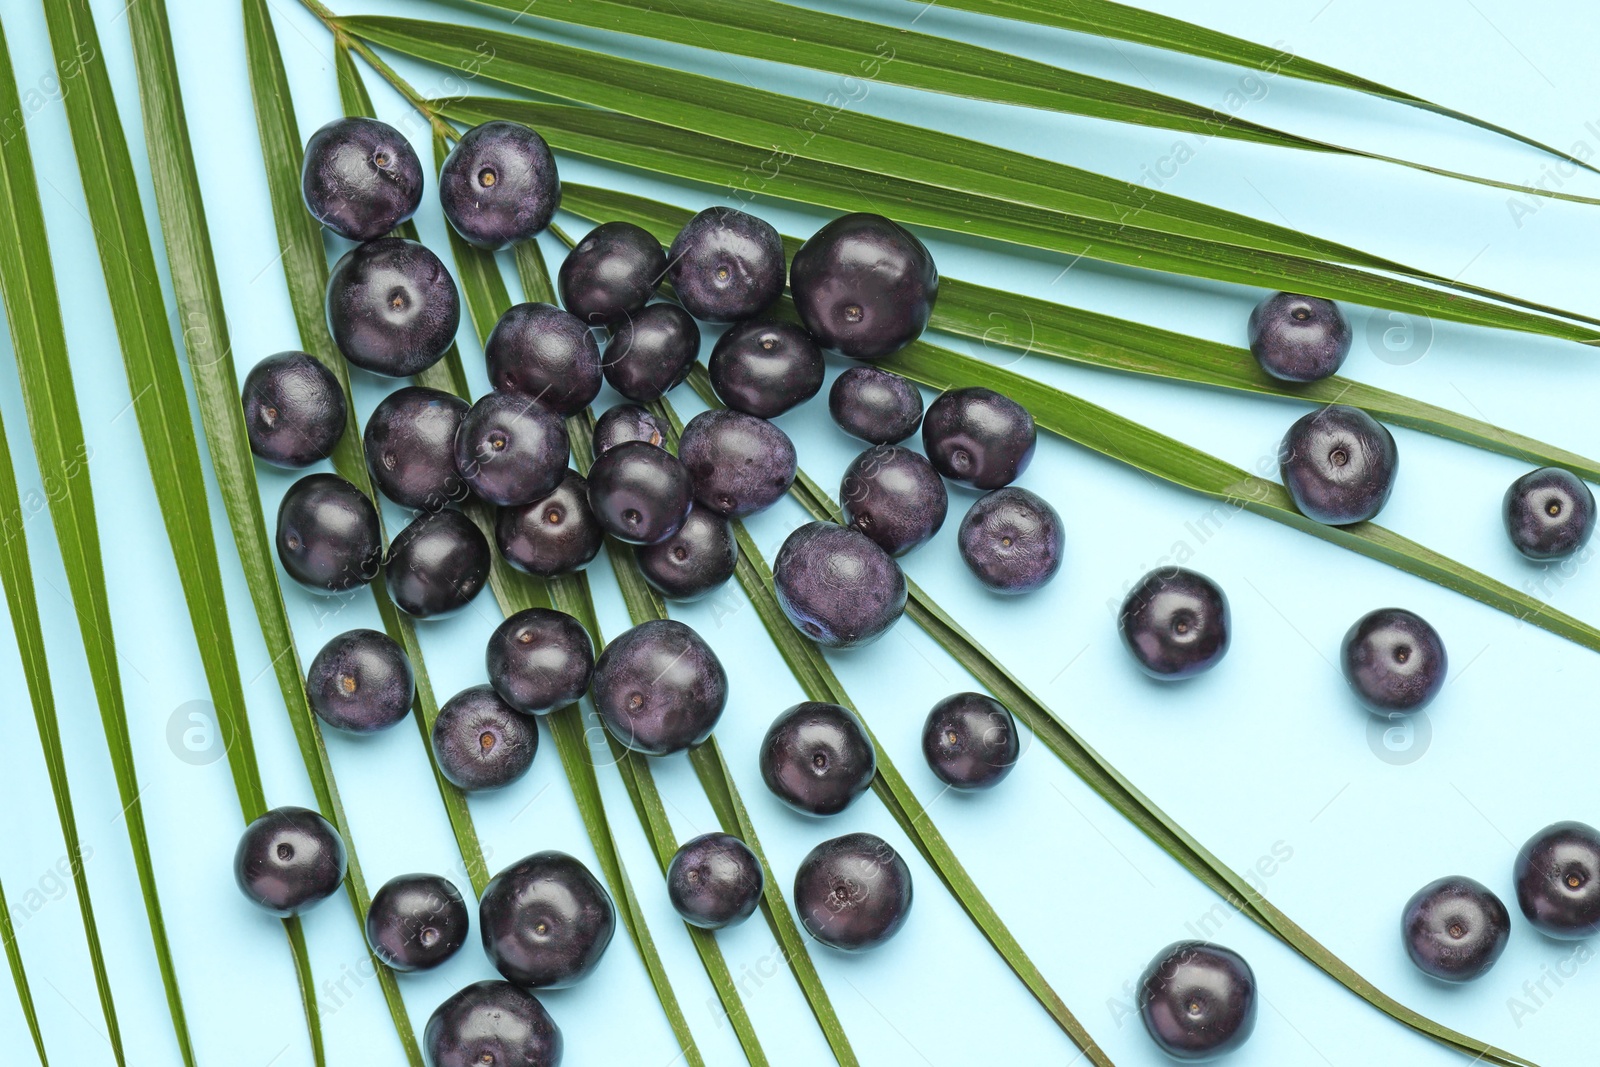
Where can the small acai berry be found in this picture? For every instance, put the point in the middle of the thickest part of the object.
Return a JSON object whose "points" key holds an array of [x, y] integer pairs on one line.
{"points": [[1338, 464], [764, 367], [864, 286], [659, 688], [853, 892], [540, 660], [837, 586], [294, 410], [700, 557], [437, 564], [417, 921], [626, 422], [1198, 1000], [392, 307], [545, 921], [288, 860], [639, 493], [545, 353], [715, 881], [1557, 874], [360, 178], [557, 534], [481, 742], [1176, 623], [612, 273], [360, 681], [979, 438], [875, 405], [1394, 661], [1299, 338], [1454, 929], [970, 741], [410, 444], [817, 758], [1011, 540], [328, 538], [739, 464], [652, 351], [499, 185], [1549, 513], [894, 496], [510, 450], [492, 1023], [726, 265]]}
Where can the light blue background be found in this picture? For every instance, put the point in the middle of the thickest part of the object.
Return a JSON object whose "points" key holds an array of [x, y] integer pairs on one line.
{"points": [[1264, 756]]}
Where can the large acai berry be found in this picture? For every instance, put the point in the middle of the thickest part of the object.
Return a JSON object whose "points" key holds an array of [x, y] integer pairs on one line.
{"points": [[698, 558], [360, 178], [510, 450], [612, 273], [652, 351], [817, 758], [1557, 874], [640, 493], [288, 860], [294, 410], [1338, 464], [726, 265], [545, 353], [545, 921], [715, 881], [436, 565], [492, 1023], [416, 921], [970, 741], [659, 688], [1454, 929], [853, 892], [540, 660], [864, 286], [410, 444], [392, 307], [1176, 623], [360, 681], [875, 405], [1394, 661], [764, 367], [1011, 540], [499, 185], [626, 422], [837, 586], [894, 496], [740, 464], [979, 438], [1549, 513], [555, 535], [481, 742], [1299, 338], [328, 537], [1198, 1000]]}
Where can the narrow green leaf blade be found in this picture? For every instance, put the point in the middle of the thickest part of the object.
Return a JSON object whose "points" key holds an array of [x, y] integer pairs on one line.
{"points": [[19, 979]]}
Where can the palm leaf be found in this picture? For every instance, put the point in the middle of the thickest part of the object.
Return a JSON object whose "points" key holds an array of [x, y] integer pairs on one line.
{"points": [[19, 979]]}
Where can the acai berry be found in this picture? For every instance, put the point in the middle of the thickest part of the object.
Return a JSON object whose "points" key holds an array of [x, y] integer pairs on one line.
{"points": [[510, 450], [817, 758], [764, 367], [639, 493], [1299, 338], [626, 422], [436, 565], [294, 410], [1338, 464], [546, 921], [557, 534], [700, 557], [894, 496], [1198, 1000], [652, 351], [1011, 540], [1557, 874], [1394, 661], [837, 586], [853, 892], [481, 742], [392, 307], [612, 273], [726, 265], [979, 438], [360, 681], [715, 881], [970, 741], [544, 353], [328, 538], [1454, 929], [875, 405], [864, 286], [1176, 623], [360, 178], [540, 660], [289, 859], [417, 921], [739, 464], [659, 688], [499, 185], [492, 1023], [410, 445], [1549, 513]]}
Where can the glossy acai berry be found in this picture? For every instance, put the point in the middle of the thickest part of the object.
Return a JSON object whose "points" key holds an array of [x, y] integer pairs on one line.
{"points": [[481, 742], [417, 921], [492, 1023], [853, 892], [817, 758], [640, 493], [361, 178], [1198, 1000], [1557, 874], [1549, 513], [360, 681], [726, 265], [392, 307], [545, 921], [557, 534], [510, 450], [651, 351], [1299, 338], [979, 438], [1394, 661], [626, 422], [499, 185], [739, 464], [545, 353], [539, 660], [328, 538], [764, 367], [288, 860], [837, 586], [410, 445], [1339, 465], [970, 741], [659, 688], [875, 405], [715, 881], [894, 496], [437, 564], [864, 286], [612, 273], [294, 410], [1176, 623], [1454, 929], [698, 558], [1012, 540]]}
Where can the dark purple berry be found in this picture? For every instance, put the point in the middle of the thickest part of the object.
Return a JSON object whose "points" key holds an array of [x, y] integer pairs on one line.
{"points": [[853, 892], [659, 688], [360, 681], [492, 1023], [360, 178], [545, 353], [817, 758], [481, 742], [1176, 623], [612, 273], [740, 464], [698, 558], [895, 497], [1299, 338], [328, 538], [715, 881], [511, 450], [651, 351], [294, 410], [540, 660], [417, 921], [410, 444], [639, 493], [836, 586], [392, 307], [726, 265], [1454, 929], [1012, 540], [626, 422], [436, 565], [970, 741], [764, 367], [499, 185], [864, 286], [979, 438], [1394, 661], [555, 535], [1557, 874], [545, 921], [1549, 513], [875, 405], [288, 860], [1198, 1000], [1338, 464]]}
